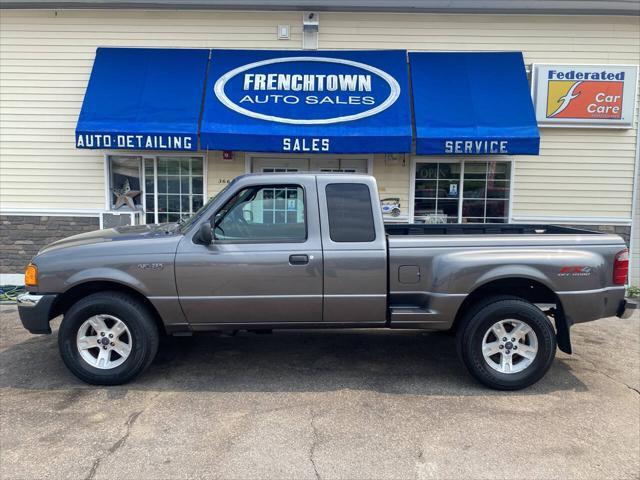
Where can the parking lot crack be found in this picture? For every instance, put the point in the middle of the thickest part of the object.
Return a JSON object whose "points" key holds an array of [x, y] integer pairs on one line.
{"points": [[131, 420], [595, 369], [121, 441], [314, 444], [94, 468]]}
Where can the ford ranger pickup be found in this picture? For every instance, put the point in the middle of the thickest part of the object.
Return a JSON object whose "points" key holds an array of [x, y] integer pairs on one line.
{"points": [[274, 251]]}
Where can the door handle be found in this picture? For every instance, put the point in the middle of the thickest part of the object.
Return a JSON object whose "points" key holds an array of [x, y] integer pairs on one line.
{"points": [[298, 259]]}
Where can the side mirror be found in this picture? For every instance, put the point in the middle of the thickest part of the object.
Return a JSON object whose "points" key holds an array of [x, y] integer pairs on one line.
{"points": [[205, 236]]}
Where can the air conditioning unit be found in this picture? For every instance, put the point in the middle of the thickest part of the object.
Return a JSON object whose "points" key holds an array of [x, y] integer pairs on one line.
{"points": [[115, 219]]}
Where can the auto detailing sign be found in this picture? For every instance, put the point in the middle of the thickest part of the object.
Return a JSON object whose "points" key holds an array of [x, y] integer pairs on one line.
{"points": [[585, 95], [307, 102], [143, 99], [136, 141]]}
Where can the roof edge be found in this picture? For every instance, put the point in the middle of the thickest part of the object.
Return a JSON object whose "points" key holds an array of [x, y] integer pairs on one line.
{"points": [[532, 7]]}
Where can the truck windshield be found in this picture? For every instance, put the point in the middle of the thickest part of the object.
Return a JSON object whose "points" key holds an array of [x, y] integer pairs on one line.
{"points": [[185, 224]]}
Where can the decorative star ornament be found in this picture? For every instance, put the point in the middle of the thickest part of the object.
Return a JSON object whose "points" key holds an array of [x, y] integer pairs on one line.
{"points": [[125, 195]]}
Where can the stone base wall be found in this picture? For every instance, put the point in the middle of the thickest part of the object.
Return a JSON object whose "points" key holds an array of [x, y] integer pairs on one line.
{"points": [[22, 236]]}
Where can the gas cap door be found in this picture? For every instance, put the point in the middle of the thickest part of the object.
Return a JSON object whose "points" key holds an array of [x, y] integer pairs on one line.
{"points": [[409, 274]]}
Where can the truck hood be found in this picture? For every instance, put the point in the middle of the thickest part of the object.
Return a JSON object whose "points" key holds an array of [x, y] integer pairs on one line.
{"points": [[118, 234]]}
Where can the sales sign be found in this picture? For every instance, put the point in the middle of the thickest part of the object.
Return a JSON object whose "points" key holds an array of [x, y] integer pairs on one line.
{"points": [[585, 95]]}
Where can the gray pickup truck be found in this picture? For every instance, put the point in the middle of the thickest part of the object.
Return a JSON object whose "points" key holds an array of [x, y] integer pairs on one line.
{"points": [[312, 251]]}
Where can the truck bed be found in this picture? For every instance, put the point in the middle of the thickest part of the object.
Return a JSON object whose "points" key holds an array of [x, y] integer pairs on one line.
{"points": [[482, 229]]}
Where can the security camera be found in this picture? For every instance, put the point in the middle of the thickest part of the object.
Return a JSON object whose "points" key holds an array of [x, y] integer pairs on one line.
{"points": [[310, 21]]}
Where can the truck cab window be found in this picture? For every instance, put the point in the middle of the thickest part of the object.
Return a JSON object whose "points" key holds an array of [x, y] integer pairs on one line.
{"points": [[350, 213], [262, 214]]}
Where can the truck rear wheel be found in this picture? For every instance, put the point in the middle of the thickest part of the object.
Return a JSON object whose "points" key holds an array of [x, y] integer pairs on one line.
{"points": [[108, 338], [506, 343]]}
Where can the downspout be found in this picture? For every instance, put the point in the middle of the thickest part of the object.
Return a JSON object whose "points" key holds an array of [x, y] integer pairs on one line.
{"points": [[634, 199]]}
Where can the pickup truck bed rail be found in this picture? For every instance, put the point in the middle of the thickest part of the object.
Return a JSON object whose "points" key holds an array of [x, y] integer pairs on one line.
{"points": [[482, 229]]}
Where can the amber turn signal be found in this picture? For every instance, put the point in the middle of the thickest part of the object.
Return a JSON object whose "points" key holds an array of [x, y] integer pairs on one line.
{"points": [[31, 276]]}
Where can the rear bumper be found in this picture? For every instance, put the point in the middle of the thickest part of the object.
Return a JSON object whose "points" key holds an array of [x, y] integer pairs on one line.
{"points": [[35, 311], [588, 305], [627, 307]]}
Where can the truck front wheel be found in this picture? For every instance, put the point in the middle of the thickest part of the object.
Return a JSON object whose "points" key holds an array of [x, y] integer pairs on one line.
{"points": [[108, 338], [506, 343]]}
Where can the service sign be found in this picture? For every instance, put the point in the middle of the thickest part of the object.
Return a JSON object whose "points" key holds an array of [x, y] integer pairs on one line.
{"points": [[307, 102], [585, 95]]}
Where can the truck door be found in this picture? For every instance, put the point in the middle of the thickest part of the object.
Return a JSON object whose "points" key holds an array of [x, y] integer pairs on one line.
{"points": [[355, 251], [265, 263]]}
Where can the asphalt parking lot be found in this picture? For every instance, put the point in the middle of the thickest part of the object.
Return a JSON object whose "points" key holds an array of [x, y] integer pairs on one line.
{"points": [[321, 405]]}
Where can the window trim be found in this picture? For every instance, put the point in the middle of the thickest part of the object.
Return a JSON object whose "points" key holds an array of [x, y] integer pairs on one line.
{"points": [[262, 242], [150, 155], [461, 160]]}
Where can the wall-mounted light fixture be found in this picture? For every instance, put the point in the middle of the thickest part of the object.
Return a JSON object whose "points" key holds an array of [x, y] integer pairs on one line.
{"points": [[310, 27]]}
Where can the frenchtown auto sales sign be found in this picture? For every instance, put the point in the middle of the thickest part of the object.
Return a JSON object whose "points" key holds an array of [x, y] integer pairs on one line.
{"points": [[307, 102], [585, 95]]}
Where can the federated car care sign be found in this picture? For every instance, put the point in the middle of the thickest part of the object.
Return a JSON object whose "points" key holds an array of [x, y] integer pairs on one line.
{"points": [[585, 95], [307, 102]]}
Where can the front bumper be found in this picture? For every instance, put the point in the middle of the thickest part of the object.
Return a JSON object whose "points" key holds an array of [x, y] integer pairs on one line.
{"points": [[627, 307], [35, 311]]}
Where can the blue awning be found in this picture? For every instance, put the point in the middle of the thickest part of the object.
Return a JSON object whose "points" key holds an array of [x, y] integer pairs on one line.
{"points": [[307, 102], [143, 99], [472, 103]]}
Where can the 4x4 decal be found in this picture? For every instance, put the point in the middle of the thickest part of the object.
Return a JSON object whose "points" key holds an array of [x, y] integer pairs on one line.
{"points": [[574, 271]]}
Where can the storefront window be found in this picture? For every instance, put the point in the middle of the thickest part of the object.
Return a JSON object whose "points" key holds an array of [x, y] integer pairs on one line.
{"points": [[174, 188], [124, 183], [166, 188], [437, 190], [281, 205], [483, 187], [486, 192]]}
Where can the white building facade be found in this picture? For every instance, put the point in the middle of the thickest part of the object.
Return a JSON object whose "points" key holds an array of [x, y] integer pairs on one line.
{"points": [[583, 175]]}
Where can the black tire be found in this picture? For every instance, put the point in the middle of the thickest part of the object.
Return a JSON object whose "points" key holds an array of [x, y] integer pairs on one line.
{"points": [[479, 319], [134, 314]]}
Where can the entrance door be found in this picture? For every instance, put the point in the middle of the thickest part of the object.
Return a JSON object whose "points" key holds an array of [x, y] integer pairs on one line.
{"points": [[338, 165], [306, 165]]}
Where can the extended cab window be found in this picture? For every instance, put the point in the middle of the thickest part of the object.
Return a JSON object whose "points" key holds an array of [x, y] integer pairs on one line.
{"points": [[263, 214], [350, 213]]}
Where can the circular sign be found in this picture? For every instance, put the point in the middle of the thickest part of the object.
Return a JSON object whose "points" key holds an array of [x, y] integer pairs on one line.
{"points": [[394, 91]]}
